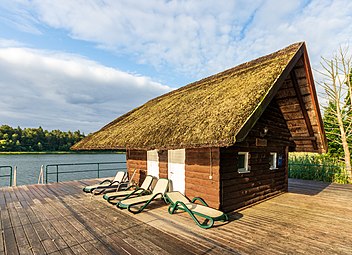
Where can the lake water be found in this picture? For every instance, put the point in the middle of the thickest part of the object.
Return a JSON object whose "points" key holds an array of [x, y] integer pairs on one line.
{"points": [[28, 166]]}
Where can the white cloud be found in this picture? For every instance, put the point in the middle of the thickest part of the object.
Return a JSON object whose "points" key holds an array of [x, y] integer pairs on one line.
{"points": [[9, 43], [54, 89], [196, 38], [18, 14], [189, 36]]}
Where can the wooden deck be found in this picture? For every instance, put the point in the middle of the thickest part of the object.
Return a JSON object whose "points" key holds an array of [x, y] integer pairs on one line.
{"points": [[313, 218]]}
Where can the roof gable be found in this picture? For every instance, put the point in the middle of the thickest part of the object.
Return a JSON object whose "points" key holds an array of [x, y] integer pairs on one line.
{"points": [[214, 111]]}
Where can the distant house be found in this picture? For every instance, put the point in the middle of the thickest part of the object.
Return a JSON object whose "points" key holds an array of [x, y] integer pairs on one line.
{"points": [[225, 138]]}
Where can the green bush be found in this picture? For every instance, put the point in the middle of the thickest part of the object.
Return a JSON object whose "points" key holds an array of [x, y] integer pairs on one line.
{"points": [[309, 166]]}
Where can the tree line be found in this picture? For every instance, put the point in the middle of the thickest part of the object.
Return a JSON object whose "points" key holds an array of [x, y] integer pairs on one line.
{"points": [[36, 139]]}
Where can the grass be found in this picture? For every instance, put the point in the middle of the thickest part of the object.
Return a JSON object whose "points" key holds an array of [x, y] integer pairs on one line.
{"points": [[310, 166]]}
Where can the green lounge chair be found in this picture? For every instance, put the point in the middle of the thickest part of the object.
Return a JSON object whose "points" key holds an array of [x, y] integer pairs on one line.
{"points": [[179, 201], [115, 183], [159, 190], [129, 192]]}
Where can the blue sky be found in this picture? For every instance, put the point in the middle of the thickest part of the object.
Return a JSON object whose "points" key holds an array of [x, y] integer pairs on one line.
{"points": [[78, 64]]}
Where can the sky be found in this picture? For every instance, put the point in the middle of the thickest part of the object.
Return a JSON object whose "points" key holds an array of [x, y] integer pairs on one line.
{"points": [[79, 64]]}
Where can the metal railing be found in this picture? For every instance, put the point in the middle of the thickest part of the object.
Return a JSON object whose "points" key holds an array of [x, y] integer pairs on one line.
{"points": [[320, 172], [9, 175], [71, 168]]}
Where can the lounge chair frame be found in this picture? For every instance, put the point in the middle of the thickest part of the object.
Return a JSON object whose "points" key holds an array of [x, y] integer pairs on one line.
{"points": [[140, 209], [109, 185], [133, 192], [145, 203], [209, 221], [137, 191], [115, 185]]}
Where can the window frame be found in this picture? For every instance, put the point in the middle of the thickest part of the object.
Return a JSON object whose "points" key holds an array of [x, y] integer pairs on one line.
{"points": [[246, 168], [274, 155]]}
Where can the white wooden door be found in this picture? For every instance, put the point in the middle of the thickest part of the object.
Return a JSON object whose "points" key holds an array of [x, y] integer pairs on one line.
{"points": [[176, 169], [153, 163]]}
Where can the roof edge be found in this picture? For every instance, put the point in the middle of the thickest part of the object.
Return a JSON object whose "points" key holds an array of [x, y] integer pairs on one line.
{"points": [[259, 110], [314, 96]]}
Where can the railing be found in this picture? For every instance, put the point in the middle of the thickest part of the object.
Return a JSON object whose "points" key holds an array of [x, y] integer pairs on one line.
{"points": [[320, 172], [6, 175], [99, 167]]}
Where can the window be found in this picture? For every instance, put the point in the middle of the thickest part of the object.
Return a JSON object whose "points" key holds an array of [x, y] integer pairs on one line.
{"points": [[242, 164], [273, 160]]}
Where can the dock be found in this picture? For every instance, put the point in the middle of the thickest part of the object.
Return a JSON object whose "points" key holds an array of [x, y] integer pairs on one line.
{"points": [[58, 218]]}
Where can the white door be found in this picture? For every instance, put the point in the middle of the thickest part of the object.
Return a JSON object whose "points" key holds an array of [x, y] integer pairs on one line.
{"points": [[176, 169], [153, 163]]}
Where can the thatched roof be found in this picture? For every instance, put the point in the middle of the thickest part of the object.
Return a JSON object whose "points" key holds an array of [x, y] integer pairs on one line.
{"points": [[207, 113]]}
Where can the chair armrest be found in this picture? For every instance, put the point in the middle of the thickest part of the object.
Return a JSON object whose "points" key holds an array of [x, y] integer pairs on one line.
{"points": [[167, 199], [200, 200], [115, 182], [173, 207], [107, 188], [132, 193], [145, 205], [132, 186], [106, 180], [144, 192]]}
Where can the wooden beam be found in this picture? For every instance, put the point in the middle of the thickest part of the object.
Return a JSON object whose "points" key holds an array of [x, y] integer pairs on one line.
{"points": [[287, 149], [315, 103], [303, 138], [298, 67], [303, 107]]}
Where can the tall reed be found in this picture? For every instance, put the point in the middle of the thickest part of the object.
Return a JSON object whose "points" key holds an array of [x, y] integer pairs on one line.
{"points": [[310, 166]]}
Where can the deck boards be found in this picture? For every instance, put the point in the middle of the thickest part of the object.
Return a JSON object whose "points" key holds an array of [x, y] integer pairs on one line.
{"points": [[58, 218]]}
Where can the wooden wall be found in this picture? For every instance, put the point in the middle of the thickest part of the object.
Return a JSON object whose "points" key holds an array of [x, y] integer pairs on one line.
{"points": [[137, 159], [200, 164], [211, 173], [198, 170], [288, 99], [162, 163], [242, 189]]}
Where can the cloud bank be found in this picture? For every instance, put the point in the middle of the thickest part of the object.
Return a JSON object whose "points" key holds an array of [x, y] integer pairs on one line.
{"points": [[183, 39], [54, 90], [195, 37]]}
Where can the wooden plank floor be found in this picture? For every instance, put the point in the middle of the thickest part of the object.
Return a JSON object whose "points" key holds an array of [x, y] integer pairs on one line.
{"points": [[313, 218]]}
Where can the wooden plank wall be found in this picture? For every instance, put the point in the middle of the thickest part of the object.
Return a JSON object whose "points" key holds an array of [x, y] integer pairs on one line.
{"points": [[198, 170], [163, 159], [137, 159], [238, 190], [292, 112]]}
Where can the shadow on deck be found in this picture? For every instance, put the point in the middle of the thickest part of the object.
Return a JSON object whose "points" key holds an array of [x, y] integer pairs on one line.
{"points": [[307, 187], [59, 218]]}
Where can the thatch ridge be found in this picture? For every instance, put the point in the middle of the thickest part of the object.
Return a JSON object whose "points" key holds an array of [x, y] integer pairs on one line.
{"points": [[209, 112]]}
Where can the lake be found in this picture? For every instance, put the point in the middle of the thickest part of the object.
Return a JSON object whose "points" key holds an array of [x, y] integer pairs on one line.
{"points": [[28, 166]]}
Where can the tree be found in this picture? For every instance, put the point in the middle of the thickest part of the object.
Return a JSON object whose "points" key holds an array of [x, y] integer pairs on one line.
{"points": [[332, 132], [338, 113], [36, 139]]}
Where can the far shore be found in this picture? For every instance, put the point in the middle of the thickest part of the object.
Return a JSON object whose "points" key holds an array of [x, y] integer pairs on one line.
{"points": [[58, 152]]}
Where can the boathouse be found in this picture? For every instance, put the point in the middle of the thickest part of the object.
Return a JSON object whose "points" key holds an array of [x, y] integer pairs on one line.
{"points": [[225, 138]]}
